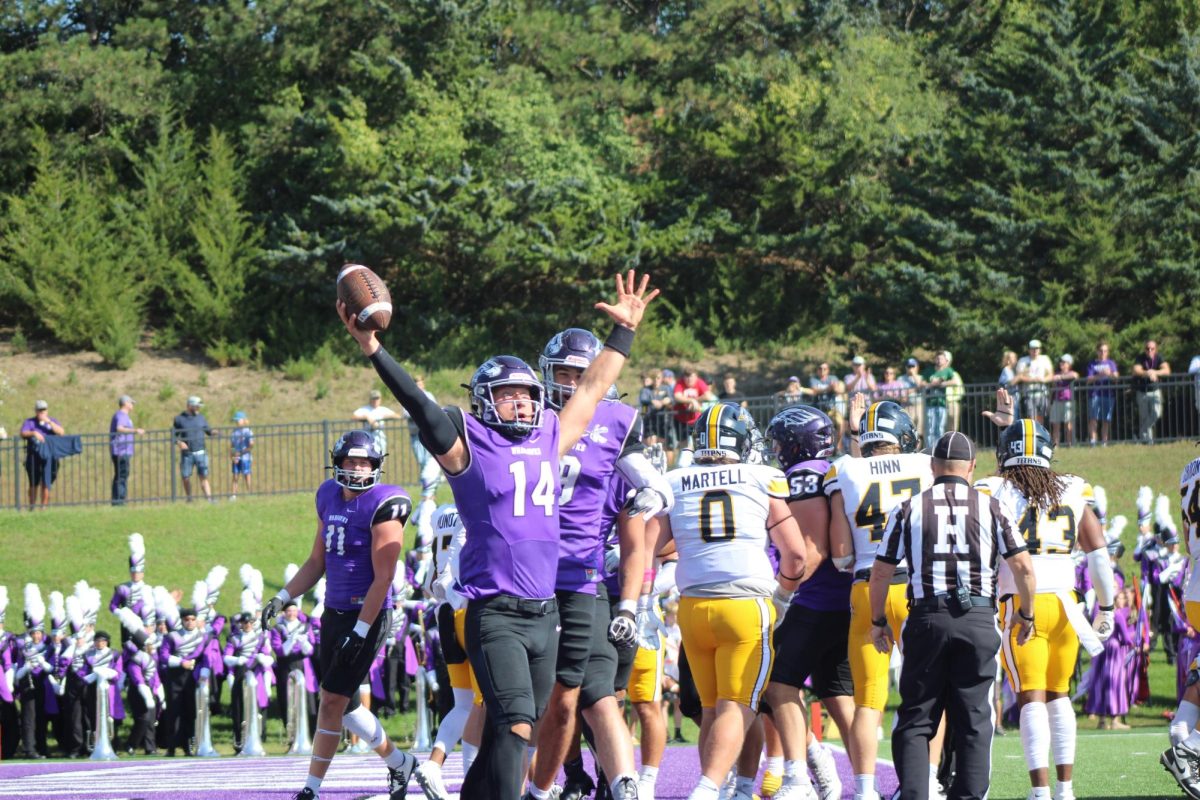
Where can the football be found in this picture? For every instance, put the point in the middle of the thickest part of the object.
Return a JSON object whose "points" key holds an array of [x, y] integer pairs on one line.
{"points": [[366, 296]]}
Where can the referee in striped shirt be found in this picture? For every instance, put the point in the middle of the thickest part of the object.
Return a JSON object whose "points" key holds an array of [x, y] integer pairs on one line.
{"points": [[953, 536]]}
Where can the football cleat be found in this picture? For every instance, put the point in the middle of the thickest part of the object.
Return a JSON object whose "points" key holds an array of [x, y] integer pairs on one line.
{"points": [[306, 794], [1184, 766], [578, 786], [770, 784], [627, 789], [795, 791], [825, 775], [398, 777], [429, 777]]}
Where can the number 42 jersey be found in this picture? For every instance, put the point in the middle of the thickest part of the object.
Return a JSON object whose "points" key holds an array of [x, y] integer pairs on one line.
{"points": [[719, 522]]}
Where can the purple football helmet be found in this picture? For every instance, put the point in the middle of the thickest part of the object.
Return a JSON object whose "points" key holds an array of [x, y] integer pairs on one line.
{"points": [[801, 433], [573, 347], [361, 444], [505, 371]]}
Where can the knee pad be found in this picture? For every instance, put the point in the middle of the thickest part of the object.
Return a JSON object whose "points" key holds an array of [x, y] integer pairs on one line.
{"points": [[366, 726]]}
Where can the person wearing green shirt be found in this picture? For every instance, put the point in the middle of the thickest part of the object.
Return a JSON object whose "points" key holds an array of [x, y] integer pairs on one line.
{"points": [[943, 387]]}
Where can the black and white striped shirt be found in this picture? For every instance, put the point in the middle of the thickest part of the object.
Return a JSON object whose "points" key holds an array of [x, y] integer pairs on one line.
{"points": [[952, 535]]}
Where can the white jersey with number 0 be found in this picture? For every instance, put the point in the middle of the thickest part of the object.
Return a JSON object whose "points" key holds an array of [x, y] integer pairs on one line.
{"points": [[871, 488], [1049, 533], [719, 522]]}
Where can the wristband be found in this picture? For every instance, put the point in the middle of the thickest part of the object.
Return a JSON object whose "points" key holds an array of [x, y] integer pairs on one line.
{"points": [[620, 339], [1022, 615], [361, 628], [648, 576], [283, 595], [880, 623], [627, 605], [1106, 608]]}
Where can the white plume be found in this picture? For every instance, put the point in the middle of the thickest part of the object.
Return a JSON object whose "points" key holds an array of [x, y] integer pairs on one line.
{"points": [[1145, 497], [165, 606], [249, 603], [199, 596], [3, 600], [137, 546], [35, 607], [81, 590], [289, 572], [75, 613], [245, 571], [256, 585], [1162, 513], [216, 578], [319, 594], [1101, 499], [58, 610], [130, 621], [1116, 528]]}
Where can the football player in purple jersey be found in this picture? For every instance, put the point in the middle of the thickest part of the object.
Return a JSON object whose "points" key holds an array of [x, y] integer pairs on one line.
{"points": [[590, 632], [502, 464], [360, 535], [812, 639]]}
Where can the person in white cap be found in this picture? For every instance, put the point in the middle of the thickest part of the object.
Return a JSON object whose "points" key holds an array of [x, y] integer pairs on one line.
{"points": [[190, 429], [41, 470], [121, 432], [1034, 371]]}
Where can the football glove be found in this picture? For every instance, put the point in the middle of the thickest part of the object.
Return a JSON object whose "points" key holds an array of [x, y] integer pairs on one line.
{"points": [[647, 624], [349, 648], [646, 501], [1103, 624], [782, 599], [622, 632], [270, 612]]}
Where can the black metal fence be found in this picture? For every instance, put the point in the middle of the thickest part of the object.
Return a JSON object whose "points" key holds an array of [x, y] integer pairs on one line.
{"points": [[286, 458], [292, 457]]}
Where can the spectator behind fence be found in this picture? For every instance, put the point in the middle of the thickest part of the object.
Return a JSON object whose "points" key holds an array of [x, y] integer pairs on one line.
{"points": [[937, 395], [826, 391], [860, 380], [1148, 367], [1193, 369], [1034, 372], [663, 401], [121, 433], [729, 391], [190, 430], [792, 392], [375, 415], [241, 442], [914, 401], [691, 393], [892, 388], [1008, 371], [1062, 407], [1101, 396], [41, 469]]}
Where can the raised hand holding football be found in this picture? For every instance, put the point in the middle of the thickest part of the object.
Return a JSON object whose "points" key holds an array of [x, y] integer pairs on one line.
{"points": [[366, 297]]}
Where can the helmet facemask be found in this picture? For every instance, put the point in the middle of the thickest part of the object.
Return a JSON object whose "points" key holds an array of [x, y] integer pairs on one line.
{"points": [[356, 444]]}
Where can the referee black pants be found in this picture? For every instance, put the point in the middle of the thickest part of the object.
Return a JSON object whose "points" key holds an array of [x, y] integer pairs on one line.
{"points": [[950, 666]]}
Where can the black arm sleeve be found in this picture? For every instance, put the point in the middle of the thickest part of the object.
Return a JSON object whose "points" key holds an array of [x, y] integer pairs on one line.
{"points": [[436, 429]]}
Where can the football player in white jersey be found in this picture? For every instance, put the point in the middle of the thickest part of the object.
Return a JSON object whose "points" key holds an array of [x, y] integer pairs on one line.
{"points": [[1182, 759], [862, 493], [465, 720], [726, 510], [1052, 512]]}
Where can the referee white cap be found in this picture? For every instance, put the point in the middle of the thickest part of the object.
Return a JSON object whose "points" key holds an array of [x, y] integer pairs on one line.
{"points": [[954, 446]]}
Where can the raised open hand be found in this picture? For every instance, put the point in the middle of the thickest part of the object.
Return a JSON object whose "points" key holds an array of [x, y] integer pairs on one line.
{"points": [[631, 300], [1003, 415]]}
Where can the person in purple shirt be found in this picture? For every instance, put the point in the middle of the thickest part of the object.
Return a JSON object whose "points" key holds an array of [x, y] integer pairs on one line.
{"points": [[1102, 398], [10, 732], [502, 464], [590, 629], [359, 540], [34, 430], [813, 637], [121, 431]]}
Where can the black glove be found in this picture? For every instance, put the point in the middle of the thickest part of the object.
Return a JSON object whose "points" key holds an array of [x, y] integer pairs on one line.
{"points": [[622, 631], [349, 648], [270, 612]]}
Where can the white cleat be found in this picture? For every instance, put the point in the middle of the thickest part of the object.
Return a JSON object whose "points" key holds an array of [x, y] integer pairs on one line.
{"points": [[790, 790], [429, 777], [825, 775]]}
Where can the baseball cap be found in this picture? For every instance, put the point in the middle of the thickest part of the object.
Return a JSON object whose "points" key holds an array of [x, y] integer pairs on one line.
{"points": [[668, 373], [858, 360], [375, 395], [1067, 357], [123, 399], [954, 446], [1035, 343], [41, 405], [912, 362], [793, 378], [194, 400], [239, 415]]}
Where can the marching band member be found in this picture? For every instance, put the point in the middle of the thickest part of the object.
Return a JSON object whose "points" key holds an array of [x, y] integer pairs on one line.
{"points": [[32, 667], [10, 731], [134, 594], [146, 694], [248, 651]]}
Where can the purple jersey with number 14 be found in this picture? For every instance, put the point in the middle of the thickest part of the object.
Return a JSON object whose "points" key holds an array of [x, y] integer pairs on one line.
{"points": [[587, 472], [827, 589], [508, 500], [346, 528]]}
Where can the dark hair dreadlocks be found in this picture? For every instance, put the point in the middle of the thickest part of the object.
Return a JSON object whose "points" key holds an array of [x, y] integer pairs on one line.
{"points": [[879, 449], [1042, 487]]}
